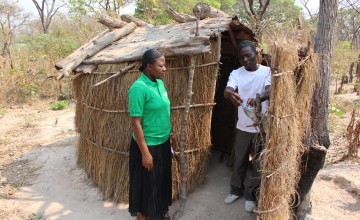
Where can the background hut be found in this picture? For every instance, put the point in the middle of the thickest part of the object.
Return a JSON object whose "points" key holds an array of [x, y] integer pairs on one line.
{"points": [[113, 57]]}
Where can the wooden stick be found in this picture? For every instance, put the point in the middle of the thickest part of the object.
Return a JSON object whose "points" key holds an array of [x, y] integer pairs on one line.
{"points": [[111, 22], [62, 63], [232, 37], [183, 126], [180, 18], [76, 76], [116, 74], [105, 148], [126, 111], [87, 69], [192, 106], [175, 68], [188, 151], [96, 46], [202, 11], [137, 21]]}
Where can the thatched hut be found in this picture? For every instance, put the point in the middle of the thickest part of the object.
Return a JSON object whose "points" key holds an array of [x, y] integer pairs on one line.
{"points": [[102, 119]]}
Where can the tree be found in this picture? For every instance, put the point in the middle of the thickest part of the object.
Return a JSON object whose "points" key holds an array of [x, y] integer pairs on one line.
{"points": [[255, 15], [11, 17], [95, 6], [318, 141], [46, 12], [305, 4], [349, 22], [153, 11], [259, 16]]}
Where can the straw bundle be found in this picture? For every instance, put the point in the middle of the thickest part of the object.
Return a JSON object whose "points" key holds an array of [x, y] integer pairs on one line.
{"points": [[288, 124], [103, 122]]}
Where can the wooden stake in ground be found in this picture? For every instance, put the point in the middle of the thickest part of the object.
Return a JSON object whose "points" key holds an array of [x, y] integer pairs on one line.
{"points": [[353, 135], [183, 126]]}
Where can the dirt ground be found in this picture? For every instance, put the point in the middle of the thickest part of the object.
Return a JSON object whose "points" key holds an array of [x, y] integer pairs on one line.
{"points": [[39, 178]]}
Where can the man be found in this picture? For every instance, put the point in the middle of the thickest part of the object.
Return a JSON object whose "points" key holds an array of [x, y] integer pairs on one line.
{"points": [[250, 79]]}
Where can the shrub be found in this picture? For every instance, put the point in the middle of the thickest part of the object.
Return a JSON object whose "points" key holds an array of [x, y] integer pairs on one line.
{"points": [[3, 112], [334, 108], [59, 105]]}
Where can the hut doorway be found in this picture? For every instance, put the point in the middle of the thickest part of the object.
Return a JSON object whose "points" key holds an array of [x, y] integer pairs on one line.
{"points": [[224, 115]]}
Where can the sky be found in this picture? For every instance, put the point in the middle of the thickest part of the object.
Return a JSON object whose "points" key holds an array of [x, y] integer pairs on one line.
{"points": [[29, 6]]}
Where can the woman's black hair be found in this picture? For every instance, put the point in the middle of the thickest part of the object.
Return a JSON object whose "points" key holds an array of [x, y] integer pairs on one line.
{"points": [[149, 57], [247, 43]]}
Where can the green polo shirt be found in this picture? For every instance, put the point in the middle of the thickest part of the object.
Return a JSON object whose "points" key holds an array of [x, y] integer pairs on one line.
{"points": [[149, 100]]}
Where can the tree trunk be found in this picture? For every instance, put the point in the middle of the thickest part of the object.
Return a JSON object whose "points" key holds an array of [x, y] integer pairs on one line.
{"points": [[351, 72], [318, 141]]}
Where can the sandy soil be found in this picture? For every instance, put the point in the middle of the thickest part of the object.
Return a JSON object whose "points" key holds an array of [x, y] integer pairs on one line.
{"points": [[39, 178]]}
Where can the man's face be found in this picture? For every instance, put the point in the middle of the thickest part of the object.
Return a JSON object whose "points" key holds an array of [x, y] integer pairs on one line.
{"points": [[247, 58]]}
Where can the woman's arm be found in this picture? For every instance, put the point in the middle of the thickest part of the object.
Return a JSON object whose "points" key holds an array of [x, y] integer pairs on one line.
{"points": [[147, 160]]}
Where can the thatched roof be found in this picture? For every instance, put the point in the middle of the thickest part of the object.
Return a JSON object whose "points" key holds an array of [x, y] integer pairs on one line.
{"points": [[172, 40]]}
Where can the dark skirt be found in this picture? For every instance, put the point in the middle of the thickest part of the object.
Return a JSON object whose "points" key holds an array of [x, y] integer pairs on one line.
{"points": [[150, 191]]}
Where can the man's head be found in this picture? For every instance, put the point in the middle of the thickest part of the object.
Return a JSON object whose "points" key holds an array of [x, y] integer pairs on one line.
{"points": [[247, 55]]}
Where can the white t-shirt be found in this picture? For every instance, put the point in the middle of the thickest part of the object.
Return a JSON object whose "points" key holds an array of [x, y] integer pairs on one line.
{"points": [[249, 84]]}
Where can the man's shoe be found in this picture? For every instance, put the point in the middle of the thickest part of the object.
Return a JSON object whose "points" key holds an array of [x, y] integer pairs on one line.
{"points": [[230, 199], [250, 206]]}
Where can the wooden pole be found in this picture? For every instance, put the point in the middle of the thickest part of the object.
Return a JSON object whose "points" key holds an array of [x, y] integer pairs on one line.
{"points": [[122, 71], [183, 126]]}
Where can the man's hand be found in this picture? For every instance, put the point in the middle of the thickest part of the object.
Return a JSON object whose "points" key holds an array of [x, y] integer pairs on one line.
{"points": [[251, 102], [234, 98], [147, 161]]}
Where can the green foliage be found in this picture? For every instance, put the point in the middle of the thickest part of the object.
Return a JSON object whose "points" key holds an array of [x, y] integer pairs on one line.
{"points": [[343, 56], [29, 121], [3, 112], [59, 105], [57, 44], [345, 44], [159, 16], [28, 90], [33, 216], [335, 109], [88, 7]]}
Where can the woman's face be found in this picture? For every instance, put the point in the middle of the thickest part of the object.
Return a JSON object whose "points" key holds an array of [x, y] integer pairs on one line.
{"points": [[157, 69]]}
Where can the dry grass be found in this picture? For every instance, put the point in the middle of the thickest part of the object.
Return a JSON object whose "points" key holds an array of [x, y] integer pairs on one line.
{"points": [[105, 137], [288, 121]]}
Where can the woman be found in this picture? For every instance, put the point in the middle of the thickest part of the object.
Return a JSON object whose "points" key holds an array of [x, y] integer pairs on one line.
{"points": [[150, 150]]}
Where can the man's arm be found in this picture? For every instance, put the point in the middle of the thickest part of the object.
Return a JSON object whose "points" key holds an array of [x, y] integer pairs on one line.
{"points": [[263, 97], [266, 94]]}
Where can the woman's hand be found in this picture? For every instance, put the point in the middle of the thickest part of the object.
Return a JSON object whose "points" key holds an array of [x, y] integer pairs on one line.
{"points": [[147, 161]]}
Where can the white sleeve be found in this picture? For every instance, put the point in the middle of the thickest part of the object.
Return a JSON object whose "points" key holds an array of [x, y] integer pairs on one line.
{"points": [[268, 78], [232, 82]]}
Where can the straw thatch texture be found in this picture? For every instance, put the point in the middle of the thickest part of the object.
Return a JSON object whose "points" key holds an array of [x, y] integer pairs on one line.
{"points": [[288, 124], [103, 122]]}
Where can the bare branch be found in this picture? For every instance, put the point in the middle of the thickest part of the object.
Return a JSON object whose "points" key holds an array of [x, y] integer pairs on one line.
{"points": [[263, 5], [304, 3], [247, 8]]}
